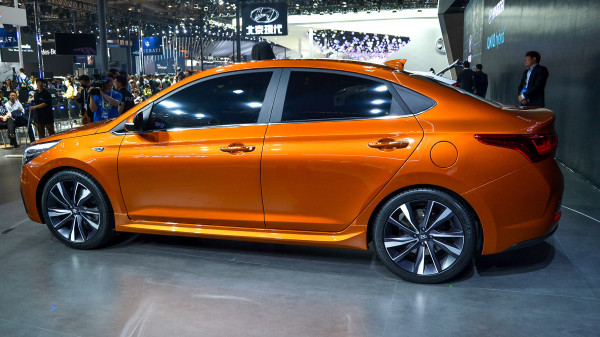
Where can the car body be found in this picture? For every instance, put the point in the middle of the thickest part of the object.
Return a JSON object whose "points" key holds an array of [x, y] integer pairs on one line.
{"points": [[310, 152]]}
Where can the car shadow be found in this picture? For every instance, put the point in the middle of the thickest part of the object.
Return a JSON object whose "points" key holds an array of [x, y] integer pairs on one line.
{"points": [[516, 261]]}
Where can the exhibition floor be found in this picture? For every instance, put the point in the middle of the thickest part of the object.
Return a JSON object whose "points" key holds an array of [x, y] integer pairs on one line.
{"points": [[144, 285]]}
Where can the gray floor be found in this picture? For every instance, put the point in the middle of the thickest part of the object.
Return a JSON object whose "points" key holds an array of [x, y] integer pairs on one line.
{"points": [[145, 285]]}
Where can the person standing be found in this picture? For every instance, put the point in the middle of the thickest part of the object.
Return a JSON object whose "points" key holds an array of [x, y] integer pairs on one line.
{"points": [[70, 95], [105, 102], [465, 77], [121, 86], [15, 108], [481, 81], [262, 51], [83, 98], [533, 81], [42, 101]]}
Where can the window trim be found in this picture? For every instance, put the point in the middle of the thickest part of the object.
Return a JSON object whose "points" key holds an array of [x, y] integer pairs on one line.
{"points": [[263, 115], [277, 113]]}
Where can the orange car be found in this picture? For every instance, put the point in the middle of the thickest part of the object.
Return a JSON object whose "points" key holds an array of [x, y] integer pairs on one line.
{"points": [[310, 152]]}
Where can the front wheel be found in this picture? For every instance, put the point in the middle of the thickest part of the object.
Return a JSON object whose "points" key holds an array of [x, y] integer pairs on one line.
{"points": [[424, 235], [77, 210]]}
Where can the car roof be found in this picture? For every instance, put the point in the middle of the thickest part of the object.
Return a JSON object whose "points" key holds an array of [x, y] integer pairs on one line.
{"points": [[366, 68]]}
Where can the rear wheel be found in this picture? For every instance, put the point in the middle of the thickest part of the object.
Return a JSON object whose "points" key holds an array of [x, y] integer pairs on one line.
{"points": [[77, 210], [424, 235]]}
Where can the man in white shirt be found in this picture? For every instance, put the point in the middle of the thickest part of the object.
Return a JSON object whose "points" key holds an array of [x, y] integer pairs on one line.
{"points": [[17, 112]]}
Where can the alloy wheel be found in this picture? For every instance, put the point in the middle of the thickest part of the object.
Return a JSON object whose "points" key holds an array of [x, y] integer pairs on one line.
{"points": [[423, 237], [73, 211]]}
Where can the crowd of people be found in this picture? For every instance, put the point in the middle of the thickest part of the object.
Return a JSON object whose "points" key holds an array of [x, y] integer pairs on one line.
{"points": [[99, 98]]}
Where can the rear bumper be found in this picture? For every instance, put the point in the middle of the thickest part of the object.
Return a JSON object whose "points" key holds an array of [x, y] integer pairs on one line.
{"points": [[518, 207], [533, 241]]}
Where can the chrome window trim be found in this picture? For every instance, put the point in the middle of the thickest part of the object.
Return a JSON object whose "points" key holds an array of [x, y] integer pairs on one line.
{"points": [[341, 119]]}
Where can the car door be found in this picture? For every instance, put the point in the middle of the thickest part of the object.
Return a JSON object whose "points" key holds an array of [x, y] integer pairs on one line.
{"points": [[200, 161], [335, 139]]}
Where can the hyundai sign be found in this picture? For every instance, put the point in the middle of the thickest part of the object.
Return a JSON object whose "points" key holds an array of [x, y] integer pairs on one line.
{"points": [[266, 19]]}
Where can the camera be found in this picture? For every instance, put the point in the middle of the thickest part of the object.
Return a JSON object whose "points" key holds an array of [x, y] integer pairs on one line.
{"points": [[97, 85]]}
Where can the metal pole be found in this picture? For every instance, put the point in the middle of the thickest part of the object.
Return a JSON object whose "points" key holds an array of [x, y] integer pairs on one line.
{"points": [[103, 52], [38, 39], [72, 15], [202, 47], [238, 10], [19, 39]]}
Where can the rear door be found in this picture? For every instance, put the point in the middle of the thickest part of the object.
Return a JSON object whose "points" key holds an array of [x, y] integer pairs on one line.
{"points": [[335, 139]]}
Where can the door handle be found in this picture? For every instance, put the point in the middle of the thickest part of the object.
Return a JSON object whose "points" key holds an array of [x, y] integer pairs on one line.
{"points": [[237, 148], [388, 144]]}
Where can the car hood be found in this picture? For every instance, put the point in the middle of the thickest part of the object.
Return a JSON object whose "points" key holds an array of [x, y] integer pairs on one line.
{"points": [[84, 130]]}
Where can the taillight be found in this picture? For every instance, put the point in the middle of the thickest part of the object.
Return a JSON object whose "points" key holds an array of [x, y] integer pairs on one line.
{"points": [[533, 147]]}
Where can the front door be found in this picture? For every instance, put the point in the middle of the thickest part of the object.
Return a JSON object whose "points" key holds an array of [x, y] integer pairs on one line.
{"points": [[200, 161]]}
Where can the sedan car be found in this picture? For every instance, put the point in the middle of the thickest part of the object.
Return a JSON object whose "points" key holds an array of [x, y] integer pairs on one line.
{"points": [[308, 152]]}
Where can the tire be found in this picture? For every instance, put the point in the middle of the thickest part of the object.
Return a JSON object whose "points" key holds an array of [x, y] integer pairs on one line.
{"points": [[424, 235], [77, 210]]}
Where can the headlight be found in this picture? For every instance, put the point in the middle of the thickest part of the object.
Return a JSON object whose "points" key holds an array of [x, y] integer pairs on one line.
{"points": [[35, 150]]}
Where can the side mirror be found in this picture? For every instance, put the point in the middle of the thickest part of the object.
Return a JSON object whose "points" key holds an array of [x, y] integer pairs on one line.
{"points": [[137, 122]]}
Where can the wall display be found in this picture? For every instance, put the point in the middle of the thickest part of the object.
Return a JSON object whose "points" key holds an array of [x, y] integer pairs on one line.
{"points": [[75, 44], [563, 32], [264, 19], [152, 45], [473, 32], [358, 46], [29, 47]]}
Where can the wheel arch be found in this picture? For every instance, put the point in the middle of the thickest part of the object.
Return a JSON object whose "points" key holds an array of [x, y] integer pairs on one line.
{"points": [[478, 226], [51, 173]]}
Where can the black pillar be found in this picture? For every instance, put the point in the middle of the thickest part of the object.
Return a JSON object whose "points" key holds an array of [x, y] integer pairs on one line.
{"points": [[238, 12], [103, 50]]}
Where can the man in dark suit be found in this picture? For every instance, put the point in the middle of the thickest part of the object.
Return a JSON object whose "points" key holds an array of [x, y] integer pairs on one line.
{"points": [[533, 82], [481, 81], [465, 77]]}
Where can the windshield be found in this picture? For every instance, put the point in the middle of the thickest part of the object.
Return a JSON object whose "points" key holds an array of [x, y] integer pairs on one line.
{"points": [[433, 80]]}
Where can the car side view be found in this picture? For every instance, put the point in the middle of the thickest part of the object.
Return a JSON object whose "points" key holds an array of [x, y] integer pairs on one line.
{"points": [[308, 152]]}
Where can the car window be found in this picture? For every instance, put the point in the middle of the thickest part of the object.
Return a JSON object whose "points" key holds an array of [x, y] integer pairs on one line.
{"points": [[225, 100], [416, 102], [314, 95]]}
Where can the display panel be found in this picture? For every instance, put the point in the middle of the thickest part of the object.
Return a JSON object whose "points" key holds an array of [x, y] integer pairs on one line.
{"points": [[75, 44], [264, 19]]}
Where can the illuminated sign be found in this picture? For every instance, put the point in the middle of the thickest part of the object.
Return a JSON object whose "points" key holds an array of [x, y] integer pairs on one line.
{"points": [[264, 19], [494, 12], [152, 45]]}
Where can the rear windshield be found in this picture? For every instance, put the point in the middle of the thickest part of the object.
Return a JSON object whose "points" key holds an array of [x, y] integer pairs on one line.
{"points": [[432, 80]]}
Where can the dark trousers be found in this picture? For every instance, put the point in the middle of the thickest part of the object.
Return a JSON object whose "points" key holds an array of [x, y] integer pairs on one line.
{"points": [[41, 128], [10, 125], [22, 121]]}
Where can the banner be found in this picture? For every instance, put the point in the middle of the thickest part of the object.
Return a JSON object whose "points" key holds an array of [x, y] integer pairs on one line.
{"points": [[266, 19], [8, 39], [152, 45]]}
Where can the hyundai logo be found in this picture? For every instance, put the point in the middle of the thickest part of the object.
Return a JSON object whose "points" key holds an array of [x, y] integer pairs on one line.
{"points": [[264, 14]]}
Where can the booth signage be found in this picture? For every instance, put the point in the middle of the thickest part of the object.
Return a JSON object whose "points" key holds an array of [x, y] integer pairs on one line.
{"points": [[152, 45], [264, 19], [8, 39]]}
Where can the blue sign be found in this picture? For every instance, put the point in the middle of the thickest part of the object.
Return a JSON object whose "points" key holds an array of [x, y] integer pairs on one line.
{"points": [[135, 47], [152, 45], [8, 39]]}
